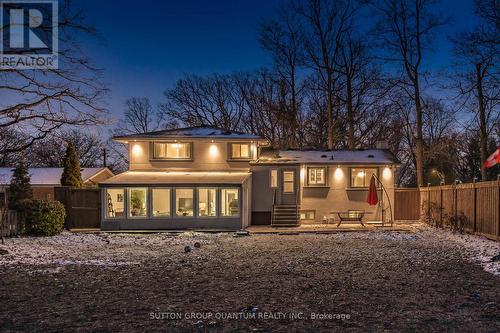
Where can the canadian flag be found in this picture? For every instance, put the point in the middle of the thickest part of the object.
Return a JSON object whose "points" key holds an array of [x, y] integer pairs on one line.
{"points": [[493, 159]]}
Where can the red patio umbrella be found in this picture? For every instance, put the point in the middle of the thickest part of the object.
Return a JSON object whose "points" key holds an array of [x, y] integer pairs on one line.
{"points": [[372, 193]]}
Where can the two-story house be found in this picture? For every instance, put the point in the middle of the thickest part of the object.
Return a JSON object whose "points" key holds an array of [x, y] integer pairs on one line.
{"points": [[206, 177]]}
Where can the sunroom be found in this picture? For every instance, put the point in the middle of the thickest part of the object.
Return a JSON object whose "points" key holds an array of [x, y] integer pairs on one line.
{"points": [[150, 200]]}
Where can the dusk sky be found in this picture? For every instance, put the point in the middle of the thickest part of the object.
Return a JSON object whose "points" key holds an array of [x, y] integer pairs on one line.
{"points": [[148, 45]]}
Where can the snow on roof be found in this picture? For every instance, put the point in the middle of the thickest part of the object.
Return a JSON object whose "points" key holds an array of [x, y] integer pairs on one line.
{"points": [[361, 156], [46, 176], [192, 132], [176, 177]]}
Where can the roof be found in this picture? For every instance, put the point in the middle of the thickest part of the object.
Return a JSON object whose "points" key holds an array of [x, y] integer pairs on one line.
{"points": [[200, 132], [360, 156], [48, 176], [176, 177]]}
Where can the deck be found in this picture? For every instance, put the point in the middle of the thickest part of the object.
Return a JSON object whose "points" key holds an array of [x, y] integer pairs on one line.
{"points": [[327, 228]]}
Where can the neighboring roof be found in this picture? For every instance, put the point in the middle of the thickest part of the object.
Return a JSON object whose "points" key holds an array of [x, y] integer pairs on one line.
{"points": [[191, 132], [361, 156], [176, 177], [49, 176]]}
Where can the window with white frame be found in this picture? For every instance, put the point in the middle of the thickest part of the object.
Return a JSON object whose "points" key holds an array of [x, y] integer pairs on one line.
{"points": [[307, 214], [184, 199], [172, 150], [316, 176], [240, 151], [161, 202], [137, 202], [360, 177], [207, 202], [230, 202], [274, 178], [288, 181]]}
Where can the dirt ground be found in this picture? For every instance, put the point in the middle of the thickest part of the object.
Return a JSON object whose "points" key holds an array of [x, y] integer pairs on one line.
{"points": [[425, 281]]}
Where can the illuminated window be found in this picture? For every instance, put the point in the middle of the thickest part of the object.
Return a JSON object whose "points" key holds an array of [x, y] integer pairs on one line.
{"points": [[115, 205], [206, 202], [161, 202], [316, 176], [174, 150], [137, 202], [184, 201], [230, 202], [307, 214], [274, 178], [240, 151], [288, 181], [360, 177]]}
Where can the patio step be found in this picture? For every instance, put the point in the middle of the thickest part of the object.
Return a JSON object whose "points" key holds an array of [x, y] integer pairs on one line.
{"points": [[285, 215]]}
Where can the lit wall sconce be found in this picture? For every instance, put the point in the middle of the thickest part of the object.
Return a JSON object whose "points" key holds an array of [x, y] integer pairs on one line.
{"points": [[302, 175], [213, 151], [387, 174], [339, 174], [136, 150]]}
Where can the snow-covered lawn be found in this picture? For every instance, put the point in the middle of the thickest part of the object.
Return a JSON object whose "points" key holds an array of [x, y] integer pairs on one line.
{"points": [[425, 280]]}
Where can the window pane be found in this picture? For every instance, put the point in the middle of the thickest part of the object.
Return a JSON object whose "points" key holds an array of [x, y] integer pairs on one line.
{"points": [[115, 202], [312, 176], [320, 176], [288, 181], [172, 150], [161, 201], [206, 202], [245, 151], [230, 205], [235, 151], [184, 202], [137, 203], [368, 176], [357, 177], [274, 178]]}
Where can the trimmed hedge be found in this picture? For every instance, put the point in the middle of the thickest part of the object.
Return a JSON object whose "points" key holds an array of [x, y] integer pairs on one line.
{"points": [[44, 217]]}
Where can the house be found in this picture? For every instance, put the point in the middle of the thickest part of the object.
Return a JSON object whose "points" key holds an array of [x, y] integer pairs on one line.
{"points": [[207, 177], [43, 180]]}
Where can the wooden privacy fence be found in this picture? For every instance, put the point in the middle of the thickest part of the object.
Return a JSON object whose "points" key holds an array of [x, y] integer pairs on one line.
{"points": [[407, 204], [83, 206], [475, 205], [10, 224]]}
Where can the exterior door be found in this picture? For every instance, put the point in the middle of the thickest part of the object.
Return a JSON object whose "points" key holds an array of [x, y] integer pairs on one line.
{"points": [[289, 186]]}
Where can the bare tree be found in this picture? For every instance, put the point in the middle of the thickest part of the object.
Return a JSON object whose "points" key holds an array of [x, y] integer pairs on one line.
{"points": [[478, 81], [283, 39], [138, 117], [406, 28], [38, 102], [325, 24]]}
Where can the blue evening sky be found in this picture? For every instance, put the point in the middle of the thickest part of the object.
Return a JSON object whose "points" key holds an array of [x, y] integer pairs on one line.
{"points": [[147, 45]]}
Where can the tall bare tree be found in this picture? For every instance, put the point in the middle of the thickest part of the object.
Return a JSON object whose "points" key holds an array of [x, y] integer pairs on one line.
{"points": [[138, 117], [38, 102], [283, 38], [406, 28]]}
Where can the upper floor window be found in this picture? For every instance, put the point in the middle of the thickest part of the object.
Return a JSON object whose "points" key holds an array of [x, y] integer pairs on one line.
{"points": [[360, 177], [240, 151], [316, 176], [173, 150]]}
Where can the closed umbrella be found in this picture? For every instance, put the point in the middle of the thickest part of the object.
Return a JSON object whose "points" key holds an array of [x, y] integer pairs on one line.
{"points": [[372, 193]]}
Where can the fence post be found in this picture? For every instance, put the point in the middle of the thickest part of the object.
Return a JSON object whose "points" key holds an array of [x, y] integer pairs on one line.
{"points": [[428, 201], [498, 213], [440, 204], [474, 205]]}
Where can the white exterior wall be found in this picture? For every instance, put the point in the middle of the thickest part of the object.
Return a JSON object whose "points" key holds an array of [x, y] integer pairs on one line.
{"points": [[337, 196]]}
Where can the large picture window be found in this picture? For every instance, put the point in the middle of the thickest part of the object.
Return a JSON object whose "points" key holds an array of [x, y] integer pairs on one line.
{"points": [[115, 203], [207, 202], [288, 181], [184, 198], [161, 202], [316, 176], [240, 151], [173, 150], [360, 177], [230, 205], [137, 202]]}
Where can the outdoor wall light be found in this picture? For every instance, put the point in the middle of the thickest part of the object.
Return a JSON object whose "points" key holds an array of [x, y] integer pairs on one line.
{"points": [[136, 150], [302, 174], [213, 151], [339, 174], [387, 173]]}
